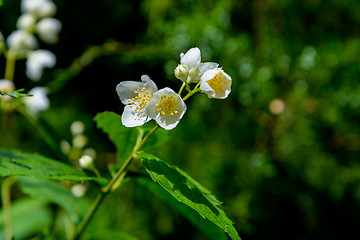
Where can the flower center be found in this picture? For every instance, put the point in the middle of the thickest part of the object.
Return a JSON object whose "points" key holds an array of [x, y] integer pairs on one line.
{"points": [[216, 83], [140, 100], [167, 105]]}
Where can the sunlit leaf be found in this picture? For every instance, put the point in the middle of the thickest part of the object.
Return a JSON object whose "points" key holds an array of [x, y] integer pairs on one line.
{"points": [[16, 163], [28, 217], [123, 138], [188, 191], [205, 226]]}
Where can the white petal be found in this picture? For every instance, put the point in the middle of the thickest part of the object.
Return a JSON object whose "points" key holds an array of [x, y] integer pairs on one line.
{"points": [[38, 102], [149, 84], [192, 58], [36, 62], [203, 67], [126, 89], [130, 118]]}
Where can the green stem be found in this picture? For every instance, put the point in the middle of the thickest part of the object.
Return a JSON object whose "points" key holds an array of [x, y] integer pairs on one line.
{"points": [[6, 202], [10, 65], [195, 90], [182, 88], [115, 180]]}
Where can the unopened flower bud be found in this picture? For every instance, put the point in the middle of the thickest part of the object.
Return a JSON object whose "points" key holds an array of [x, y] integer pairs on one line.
{"points": [[78, 190], [26, 22], [193, 76], [77, 127], [181, 72], [86, 161], [79, 141]]}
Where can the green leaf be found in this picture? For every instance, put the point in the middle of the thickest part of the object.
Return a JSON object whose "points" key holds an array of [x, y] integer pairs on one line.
{"points": [[16, 163], [124, 138], [205, 226], [16, 94], [188, 191], [28, 217], [108, 235], [51, 191]]}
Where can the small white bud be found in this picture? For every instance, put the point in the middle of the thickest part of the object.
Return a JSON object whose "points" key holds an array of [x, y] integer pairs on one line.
{"points": [[77, 127], [78, 190], [21, 40], [79, 141], [181, 72], [86, 161], [65, 146], [27, 22], [48, 30], [90, 151]]}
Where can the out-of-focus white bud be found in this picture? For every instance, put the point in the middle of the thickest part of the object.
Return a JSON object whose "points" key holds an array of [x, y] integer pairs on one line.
{"points": [[65, 147], [80, 141], [38, 102], [77, 127], [21, 40], [181, 72], [40, 8], [37, 60], [86, 161], [48, 30], [90, 151], [27, 22], [78, 190]]}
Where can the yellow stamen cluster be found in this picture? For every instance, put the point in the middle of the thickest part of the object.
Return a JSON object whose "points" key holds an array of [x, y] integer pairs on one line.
{"points": [[140, 100], [216, 83], [167, 105]]}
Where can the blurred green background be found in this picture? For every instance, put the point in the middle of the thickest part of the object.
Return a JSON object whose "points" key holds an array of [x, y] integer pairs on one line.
{"points": [[282, 151]]}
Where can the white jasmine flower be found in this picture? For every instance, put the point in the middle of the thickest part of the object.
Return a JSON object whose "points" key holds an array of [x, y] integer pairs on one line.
{"points": [[40, 8], [86, 161], [38, 101], [48, 30], [191, 68], [21, 40], [78, 190], [216, 83], [166, 107], [36, 62], [26, 22], [135, 95], [6, 86]]}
